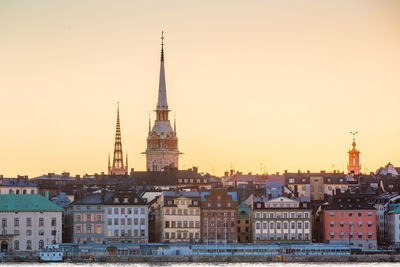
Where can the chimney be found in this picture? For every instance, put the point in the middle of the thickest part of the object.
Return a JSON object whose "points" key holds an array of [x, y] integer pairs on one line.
{"points": [[277, 173], [322, 171], [308, 171], [226, 174], [195, 169], [298, 171], [285, 171]]}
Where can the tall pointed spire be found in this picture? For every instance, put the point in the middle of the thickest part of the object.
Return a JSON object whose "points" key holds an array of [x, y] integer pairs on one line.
{"points": [[162, 91], [162, 143], [118, 160], [149, 123]]}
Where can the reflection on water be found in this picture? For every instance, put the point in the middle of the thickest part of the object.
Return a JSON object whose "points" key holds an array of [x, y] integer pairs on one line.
{"points": [[311, 264]]}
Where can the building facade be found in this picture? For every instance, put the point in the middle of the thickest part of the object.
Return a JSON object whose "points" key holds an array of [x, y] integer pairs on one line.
{"points": [[29, 223], [281, 219], [177, 216], [243, 221], [126, 218], [162, 142], [219, 216], [349, 218], [20, 185]]}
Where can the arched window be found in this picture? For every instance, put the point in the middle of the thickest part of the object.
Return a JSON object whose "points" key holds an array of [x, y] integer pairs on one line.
{"points": [[16, 245], [17, 192], [24, 191], [11, 191], [41, 244], [28, 244]]}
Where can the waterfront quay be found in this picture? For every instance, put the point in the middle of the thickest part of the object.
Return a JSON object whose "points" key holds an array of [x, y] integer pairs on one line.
{"points": [[189, 252]]}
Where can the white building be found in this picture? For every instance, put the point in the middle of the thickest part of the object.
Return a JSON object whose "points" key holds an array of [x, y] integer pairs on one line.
{"points": [[28, 222], [126, 218], [281, 219]]}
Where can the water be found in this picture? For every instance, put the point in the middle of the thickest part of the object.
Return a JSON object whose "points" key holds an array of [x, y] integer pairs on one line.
{"points": [[311, 264]]}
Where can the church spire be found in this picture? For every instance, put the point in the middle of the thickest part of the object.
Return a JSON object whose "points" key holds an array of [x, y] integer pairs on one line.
{"points": [[162, 91], [118, 160]]}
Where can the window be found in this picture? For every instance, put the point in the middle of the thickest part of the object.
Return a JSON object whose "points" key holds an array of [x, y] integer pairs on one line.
{"points": [[98, 218], [299, 225], [166, 224], [78, 229], [359, 214], [41, 232], [142, 211], [53, 221], [332, 235], [292, 225], [278, 225], [130, 211], [369, 223], [122, 210], [285, 226], [116, 211], [109, 211], [360, 235], [332, 214], [359, 223], [306, 226], [4, 222], [129, 221], [369, 234], [341, 223], [98, 229], [41, 222], [109, 221], [41, 244], [350, 214], [78, 218], [332, 223], [28, 244], [29, 221], [16, 245], [115, 221], [116, 233]]}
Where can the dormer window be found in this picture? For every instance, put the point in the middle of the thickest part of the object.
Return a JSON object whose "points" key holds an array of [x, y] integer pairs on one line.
{"points": [[125, 200], [136, 200], [291, 180], [329, 180], [116, 200]]}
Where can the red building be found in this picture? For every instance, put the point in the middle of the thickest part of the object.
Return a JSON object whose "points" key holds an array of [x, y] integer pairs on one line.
{"points": [[349, 218], [219, 216]]}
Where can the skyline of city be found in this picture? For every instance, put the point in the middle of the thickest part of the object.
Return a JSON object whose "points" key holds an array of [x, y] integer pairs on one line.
{"points": [[282, 93]]}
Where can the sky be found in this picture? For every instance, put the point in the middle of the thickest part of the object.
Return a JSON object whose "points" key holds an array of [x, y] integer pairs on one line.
{"points": [[257, 86]]}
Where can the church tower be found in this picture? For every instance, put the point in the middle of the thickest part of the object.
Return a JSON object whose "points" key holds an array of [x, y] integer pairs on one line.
{"points": [[354, 158], [162, 142], [118, 167]]}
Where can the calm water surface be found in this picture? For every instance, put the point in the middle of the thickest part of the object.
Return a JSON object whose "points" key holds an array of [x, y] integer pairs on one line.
{"points": [[311, 264]]}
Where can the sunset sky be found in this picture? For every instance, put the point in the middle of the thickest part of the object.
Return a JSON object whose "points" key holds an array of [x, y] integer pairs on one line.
{"points": [[261, 82]]}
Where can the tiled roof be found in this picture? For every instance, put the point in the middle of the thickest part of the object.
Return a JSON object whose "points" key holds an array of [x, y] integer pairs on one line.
{"points": [[31, 202]]}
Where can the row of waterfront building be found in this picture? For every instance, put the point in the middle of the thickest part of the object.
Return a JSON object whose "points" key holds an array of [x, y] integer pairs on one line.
{"points": [[191, 207]]}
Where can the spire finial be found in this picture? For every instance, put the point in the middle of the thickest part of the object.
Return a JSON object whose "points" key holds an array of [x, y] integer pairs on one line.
{"points": [[354, 137], [162, 46]]}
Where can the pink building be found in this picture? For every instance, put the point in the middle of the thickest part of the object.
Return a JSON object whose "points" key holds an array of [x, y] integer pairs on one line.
{"points": [[350, 219]]}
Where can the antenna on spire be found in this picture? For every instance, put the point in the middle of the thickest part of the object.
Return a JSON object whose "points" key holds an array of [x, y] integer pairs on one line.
{"points": [[162, 46]]}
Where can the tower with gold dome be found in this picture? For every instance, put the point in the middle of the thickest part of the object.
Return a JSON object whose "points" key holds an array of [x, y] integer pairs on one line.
{"points": [[162, 142]]}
